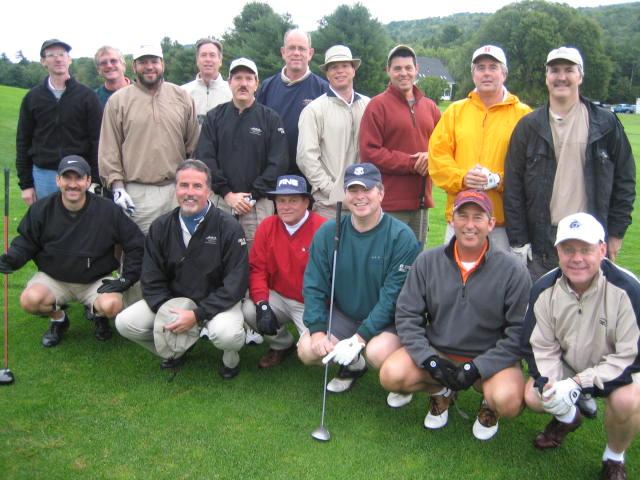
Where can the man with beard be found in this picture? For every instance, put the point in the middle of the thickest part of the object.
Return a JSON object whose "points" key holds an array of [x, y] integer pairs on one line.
{"points": [[148, 129]]}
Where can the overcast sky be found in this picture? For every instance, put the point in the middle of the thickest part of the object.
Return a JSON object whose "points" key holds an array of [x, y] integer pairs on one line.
{"points": [[89, 24]]}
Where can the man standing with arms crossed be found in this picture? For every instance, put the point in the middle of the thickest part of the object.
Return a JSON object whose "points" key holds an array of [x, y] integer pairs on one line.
{"points": [[394, 136], [59, 117], [329, 129], [469, 145], [295, 87], [277, 262], [209, 89], [148, 129]]}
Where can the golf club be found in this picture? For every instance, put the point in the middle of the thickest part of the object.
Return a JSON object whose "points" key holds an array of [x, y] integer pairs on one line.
{"points": [[423, 213], [321, 433], [6, 376]]}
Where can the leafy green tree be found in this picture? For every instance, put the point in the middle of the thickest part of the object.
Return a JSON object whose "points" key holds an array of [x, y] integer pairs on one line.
{"points": [[433, 87], [84, 70], [257, 34], [179, 61], [354, 27]]}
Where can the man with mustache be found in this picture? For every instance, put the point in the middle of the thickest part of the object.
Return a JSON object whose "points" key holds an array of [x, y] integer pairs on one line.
{"points": [[148, 129], [244, 144]]}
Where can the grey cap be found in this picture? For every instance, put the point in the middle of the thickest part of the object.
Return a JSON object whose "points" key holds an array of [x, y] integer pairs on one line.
{"points": [[74, 163], [167, 343], [51, 43]]}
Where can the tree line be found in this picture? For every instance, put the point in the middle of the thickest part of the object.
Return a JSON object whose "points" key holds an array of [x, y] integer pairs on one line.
{"points": [[608, 37]]}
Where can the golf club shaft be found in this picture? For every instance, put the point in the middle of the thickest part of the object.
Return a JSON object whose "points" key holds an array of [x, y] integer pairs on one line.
{"points": [[423, 211], [336, 243], [6, 276]]}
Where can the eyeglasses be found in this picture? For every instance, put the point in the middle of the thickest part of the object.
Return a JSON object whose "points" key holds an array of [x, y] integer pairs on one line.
{"points": [[55, 55], [111, 61]]}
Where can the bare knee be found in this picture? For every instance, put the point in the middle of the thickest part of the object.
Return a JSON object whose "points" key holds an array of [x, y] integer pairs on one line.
{"points": [[305, 354], [37, 299], [624, 402], [108, 304]]}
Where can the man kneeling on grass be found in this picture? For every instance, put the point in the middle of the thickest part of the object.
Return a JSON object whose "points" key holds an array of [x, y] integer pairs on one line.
{"points": [[459, 317], [71, 235], [581, 335], [374, 255], [194, 275]]}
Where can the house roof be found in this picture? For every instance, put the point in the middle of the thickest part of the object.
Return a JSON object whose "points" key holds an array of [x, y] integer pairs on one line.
{"points": [[433, 67]]}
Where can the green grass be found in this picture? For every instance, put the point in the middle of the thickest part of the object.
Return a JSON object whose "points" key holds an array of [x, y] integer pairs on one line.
{"points": [[105, 410]]}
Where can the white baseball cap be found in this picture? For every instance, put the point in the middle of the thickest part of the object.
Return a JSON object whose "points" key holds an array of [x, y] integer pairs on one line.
{"points": [[490, 51], [580, 226], [148, 50], [243, 62], [569, 54]]}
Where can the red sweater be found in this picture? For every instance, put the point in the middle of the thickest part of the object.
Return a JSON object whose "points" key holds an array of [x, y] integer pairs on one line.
{"points": [[390, 132], [278, 260]]}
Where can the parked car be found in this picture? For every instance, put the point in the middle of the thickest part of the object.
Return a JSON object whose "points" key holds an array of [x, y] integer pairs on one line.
{"points": [[624, 108]]}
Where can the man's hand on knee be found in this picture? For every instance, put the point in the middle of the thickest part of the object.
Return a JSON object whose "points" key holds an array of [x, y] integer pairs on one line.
{"points": [[442, 370], [320, 344]]}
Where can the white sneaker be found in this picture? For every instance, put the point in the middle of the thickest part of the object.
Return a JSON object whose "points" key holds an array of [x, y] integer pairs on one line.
{"points": [[438, 414], [398, 400], [345, 379], [253, 337], [486, 424]]}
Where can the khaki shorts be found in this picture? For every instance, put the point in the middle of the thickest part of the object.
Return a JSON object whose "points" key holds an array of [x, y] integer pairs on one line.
{"points": [[65, 292]]}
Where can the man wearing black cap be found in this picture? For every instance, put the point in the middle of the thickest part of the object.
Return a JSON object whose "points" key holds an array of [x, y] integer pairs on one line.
{"points": [[277, 260], [71, 237], [375, 253], [459, 317], [57, 118]]}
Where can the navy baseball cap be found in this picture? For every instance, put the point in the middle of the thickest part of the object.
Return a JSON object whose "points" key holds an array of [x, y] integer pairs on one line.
{"points": [[290, 185], [53, 42], [74, 163], [365, 174]]}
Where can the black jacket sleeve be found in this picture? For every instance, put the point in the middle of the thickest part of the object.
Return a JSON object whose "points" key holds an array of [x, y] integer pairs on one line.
{"points": [[207, 151], [155, 278], [24, 141], [132, 240], [515, 207], [27, 244]]}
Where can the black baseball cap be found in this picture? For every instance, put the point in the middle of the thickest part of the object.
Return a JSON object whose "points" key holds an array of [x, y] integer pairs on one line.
{"points": [[52, 42], [74, 163], [365, 174]]}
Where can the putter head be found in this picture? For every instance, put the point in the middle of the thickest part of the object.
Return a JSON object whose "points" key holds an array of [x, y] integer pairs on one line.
{"points": [[6, 377], [321, 434]]}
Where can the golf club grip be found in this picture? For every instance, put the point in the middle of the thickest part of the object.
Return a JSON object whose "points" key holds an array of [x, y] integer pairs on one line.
{"points": [[338, 216]]}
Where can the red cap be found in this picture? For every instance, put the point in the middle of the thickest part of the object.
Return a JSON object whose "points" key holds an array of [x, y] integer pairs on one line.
{"points": [[473, 196]]}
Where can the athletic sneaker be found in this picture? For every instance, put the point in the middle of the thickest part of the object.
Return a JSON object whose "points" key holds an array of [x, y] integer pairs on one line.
{"points": [[438, 414], [347, 376], [52, 337], [587, 405], [556, 431], [612, 470], [253, 337], [398, 400], [486, 424]]}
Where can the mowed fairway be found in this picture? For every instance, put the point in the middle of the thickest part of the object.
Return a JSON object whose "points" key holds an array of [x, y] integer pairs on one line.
{"points": [[87, 409]]}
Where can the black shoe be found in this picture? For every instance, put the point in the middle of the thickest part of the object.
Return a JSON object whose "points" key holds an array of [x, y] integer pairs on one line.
{"points": [[173, 363], [588, 406], [228, 373], [103, 330], [56, 330]]}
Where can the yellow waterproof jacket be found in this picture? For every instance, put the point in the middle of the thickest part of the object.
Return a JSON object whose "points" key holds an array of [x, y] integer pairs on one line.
{"points": [[469, 134]]}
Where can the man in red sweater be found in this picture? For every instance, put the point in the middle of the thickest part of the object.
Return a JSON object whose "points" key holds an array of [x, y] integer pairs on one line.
{"points": [[277, 260], [394, 136]]}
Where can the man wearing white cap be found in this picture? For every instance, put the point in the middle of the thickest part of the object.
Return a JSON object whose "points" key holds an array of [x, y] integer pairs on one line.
{"points": [[244, 144], [394, 136], [328, 130], [565, 157], [587, 301], [469, 145], [148, 129]]}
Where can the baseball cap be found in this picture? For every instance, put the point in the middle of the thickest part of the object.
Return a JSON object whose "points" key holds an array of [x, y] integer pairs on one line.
{"points": [[490, 51], [339, 53], [565, 53], [74, 163], [51, 43], [365, 174], [148, 50], [473, 196], [243, 62], [290, 185], [167, 343], [580, 226], [400, 48]]}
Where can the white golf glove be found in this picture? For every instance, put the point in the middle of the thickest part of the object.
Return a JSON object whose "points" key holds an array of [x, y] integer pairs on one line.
{"points": [[122, 199], [524, 253], [563, 395], [345, 351], [493, 179]]}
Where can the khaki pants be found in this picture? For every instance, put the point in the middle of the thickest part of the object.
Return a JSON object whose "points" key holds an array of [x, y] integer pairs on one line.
{"points": [[286, 311], [225, 330], [261, 210], [65, 292], [418, 221], [151, 201]]}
